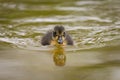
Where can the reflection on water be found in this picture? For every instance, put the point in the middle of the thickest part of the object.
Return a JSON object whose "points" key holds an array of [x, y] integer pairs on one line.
{"points": [[59, 56]]}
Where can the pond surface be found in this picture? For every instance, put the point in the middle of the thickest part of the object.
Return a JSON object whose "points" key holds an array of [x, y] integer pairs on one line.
{"points": [[94, 26]]}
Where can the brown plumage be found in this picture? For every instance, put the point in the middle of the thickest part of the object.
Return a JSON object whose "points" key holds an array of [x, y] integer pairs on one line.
{"points": [[57, 36]]}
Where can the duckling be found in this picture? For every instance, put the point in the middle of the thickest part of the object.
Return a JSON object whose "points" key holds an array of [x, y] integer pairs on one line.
{"points": [[57, 36]]}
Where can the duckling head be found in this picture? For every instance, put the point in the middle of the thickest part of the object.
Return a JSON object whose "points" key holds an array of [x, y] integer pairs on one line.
{"points": [[59, 34]]}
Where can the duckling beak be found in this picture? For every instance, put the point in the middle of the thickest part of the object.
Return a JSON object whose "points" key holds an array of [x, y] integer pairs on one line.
{"points": [[60, 41]]}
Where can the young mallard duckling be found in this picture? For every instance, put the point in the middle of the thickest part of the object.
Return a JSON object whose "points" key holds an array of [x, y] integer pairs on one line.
{"points": [[57, 36]]}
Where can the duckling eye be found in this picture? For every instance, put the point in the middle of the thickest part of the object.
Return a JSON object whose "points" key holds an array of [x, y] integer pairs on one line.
{"points": [[64, 34]]}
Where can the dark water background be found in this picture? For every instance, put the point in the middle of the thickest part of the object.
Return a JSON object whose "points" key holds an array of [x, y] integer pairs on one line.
{"points": [[93, 24]]}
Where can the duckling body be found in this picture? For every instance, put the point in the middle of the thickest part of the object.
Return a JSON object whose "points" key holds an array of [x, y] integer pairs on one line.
{"points": [[57, 36]]}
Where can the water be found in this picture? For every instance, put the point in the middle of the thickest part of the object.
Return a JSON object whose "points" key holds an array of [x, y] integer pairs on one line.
{"points": [[93, 24]]}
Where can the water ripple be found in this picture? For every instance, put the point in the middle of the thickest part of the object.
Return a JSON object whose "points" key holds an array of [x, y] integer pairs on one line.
{"points": [[88, 2], [63, 19], [72, 8]]}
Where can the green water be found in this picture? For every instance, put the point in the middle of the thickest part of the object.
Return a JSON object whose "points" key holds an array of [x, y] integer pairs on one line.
{"points": [[94, 26]]}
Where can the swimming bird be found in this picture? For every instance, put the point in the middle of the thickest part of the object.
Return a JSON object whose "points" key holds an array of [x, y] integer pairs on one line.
{"points": [[57, 36]]}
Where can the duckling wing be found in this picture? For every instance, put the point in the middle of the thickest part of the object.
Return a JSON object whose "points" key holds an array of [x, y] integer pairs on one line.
{"points": [[46, 39], [69, 40]]}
